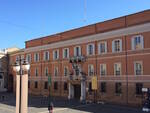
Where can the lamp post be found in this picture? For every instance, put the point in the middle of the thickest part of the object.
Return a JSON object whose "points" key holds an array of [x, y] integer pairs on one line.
{"points": [[21, 68]]}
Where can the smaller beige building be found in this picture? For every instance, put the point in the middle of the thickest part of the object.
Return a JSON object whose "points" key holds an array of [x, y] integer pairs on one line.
{"points": [[4, 63]]}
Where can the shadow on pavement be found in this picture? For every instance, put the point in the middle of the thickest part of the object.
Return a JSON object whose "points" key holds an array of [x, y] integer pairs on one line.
{"points": [[42, 102]]}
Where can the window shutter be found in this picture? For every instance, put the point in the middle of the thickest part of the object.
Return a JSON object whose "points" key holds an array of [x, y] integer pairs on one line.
{"points": [[142, 42], [120, 45], [113, 46], [58, 54], [80, 51], [87, 49], [93, 49], [53, 55], [74, 51], [132, 44], [105, 47]]}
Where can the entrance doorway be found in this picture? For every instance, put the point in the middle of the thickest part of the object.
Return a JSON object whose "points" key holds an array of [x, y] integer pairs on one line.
{"points": [[77, 91]]}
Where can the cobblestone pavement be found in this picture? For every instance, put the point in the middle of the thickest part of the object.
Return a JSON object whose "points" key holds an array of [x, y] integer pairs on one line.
{"points": [[39, 105]]}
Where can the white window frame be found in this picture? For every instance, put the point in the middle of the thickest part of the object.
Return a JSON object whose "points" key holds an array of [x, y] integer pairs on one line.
{"points": [[28, 58], [46, 72], [76, 52], [113, 45], [90, 66], [99, 47], [67, 53], [46, 53], [54, 58], [133, 46], [87, 49], [105, 69], [118, 63], [38, 57], [140, 62]]}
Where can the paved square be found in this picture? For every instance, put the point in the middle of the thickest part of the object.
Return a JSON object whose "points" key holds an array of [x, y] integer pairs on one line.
{"points": [[39, 105]]}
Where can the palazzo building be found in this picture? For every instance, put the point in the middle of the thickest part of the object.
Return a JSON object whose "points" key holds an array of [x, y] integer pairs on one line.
{"points": [[116, 51]]}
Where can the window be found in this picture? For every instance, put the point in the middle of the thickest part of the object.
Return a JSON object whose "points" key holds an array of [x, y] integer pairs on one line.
{"points": [[102, 47], [29, 72], [77, 51], [137, 42], [65, 71], [46, 71], [90, 87], [117, 69], [102, 69], [90, 70], [90, 49], [46, 85], [36, 84], [103, 87], [117, 45], [29, 84], [139, 87], [138, 68], [55, 85], [28, 58], [65, 86], [56, 71], [17, 58], [36, 72], [118, 88], [36, 57], [46, 55], [56, 54], [66, 53]]}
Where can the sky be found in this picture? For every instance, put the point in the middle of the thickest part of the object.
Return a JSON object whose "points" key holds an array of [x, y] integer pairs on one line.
{"points": [[23, 20]]}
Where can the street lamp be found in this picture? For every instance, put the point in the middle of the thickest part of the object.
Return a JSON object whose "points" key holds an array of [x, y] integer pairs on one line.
{"points": [[20, 67]]}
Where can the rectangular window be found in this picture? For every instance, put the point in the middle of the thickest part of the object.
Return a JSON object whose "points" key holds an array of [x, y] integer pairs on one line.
{"points": [[117, 45], [90, 49], [66, 53], [46, 55], [139, 87], [90, 87], [36, 72], [46, 85], [137, 42], [56, 71], [46, 71], [138, 68], [102, 47], [55, 85], [65, 86], [56, 54], [102, 69], [103, 87], [117, 69], [36, 57], [77, 51], [90, 70], [65, 71], [36, 84], [29, 84], [118, 88], [29, 72], [28, 58]]}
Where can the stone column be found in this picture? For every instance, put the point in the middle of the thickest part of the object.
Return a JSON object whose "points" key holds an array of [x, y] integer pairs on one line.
{"points": [[17, 92], [83, 90], [24, 94], [69, 96], [71, 91]]}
